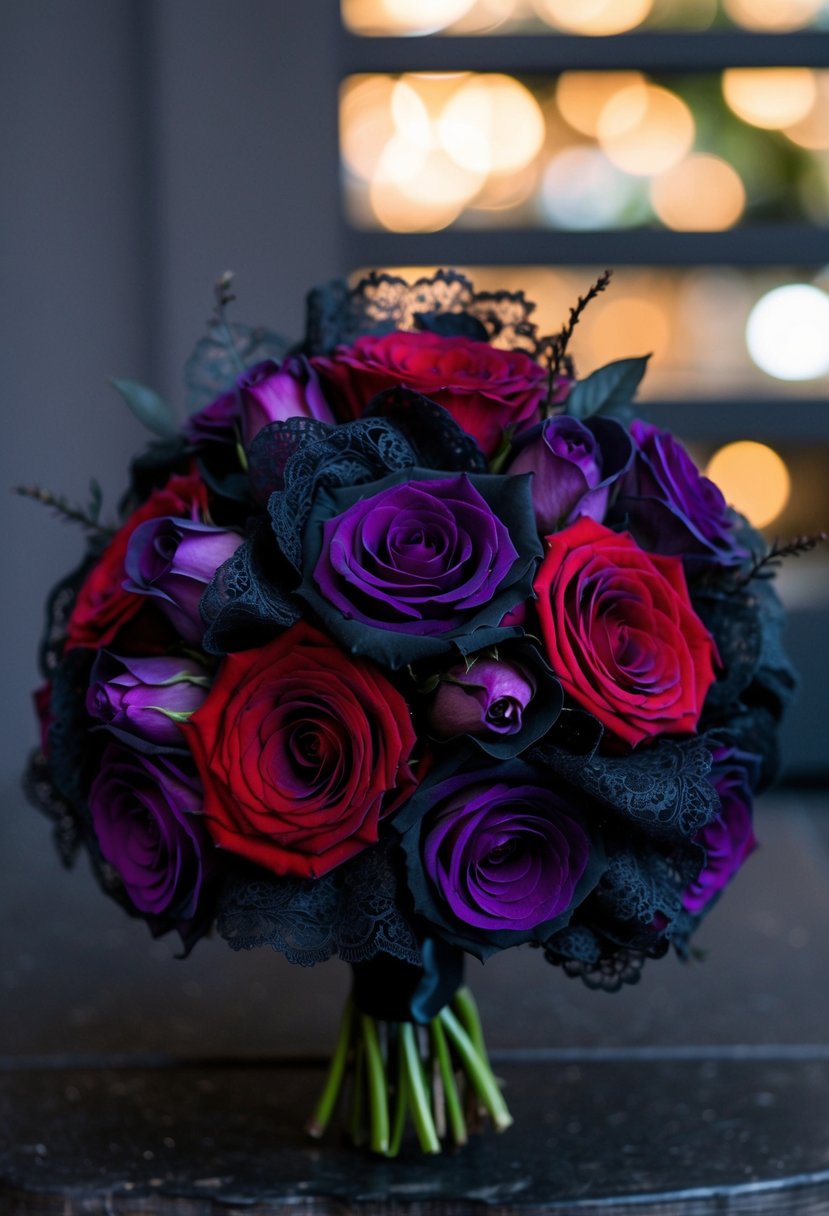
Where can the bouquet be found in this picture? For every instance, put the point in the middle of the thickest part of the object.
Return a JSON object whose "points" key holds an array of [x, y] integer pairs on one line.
{"points": [[411, 644]]}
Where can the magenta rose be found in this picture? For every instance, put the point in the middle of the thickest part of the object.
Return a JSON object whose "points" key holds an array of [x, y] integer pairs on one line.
{"points": [[621, 633], [485, 390]]}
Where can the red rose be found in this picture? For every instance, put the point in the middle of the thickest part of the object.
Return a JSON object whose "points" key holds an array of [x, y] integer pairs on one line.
{"points": [[103, 606], [484, 389], [621, 634], [301, 749]]}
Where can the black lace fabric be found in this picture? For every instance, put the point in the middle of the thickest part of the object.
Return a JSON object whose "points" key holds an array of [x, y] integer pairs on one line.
{"points": [[352, 912], [379, 303]]}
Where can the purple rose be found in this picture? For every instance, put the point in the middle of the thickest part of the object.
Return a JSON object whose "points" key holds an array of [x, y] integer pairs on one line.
{"points": [[173, 560], [670, 507], [574, 465], [417, 557], [487, 697], [495, 857], [146, 815], [729, 838], [271, 392], [268, 392], [147, 697]]}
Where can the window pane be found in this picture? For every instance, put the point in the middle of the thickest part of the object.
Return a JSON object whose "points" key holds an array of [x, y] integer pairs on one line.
{"points": [[586, 150], [591, 17]]}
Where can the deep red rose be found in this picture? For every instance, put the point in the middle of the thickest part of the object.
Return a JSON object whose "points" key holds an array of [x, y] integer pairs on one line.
{"points": [[103, 606], [302, 748], [484, 389], [621, 633]]}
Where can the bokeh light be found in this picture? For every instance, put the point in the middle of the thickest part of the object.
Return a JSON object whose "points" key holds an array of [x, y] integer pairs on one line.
{"points": [[595, 17], [753, 479], [581, 189], [581, 96], [491, 124], [812, 130], [772, 15], [627, 325], [701, 194], [788, 332], [770, 97], [645, 129]]}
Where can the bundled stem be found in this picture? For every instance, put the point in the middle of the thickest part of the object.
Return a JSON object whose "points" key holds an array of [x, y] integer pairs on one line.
{"points": [[431, 1079]]}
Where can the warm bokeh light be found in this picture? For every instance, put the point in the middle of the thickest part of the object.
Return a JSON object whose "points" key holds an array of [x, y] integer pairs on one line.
{"points": [[581, 96], [401, 17], [812, 131], [492, 124], [753, 479], [622, 326], [594, 16], [645, 129], [416, 191], [788, 332], [701, 194], [772, 98], [366, 123], [581, 189], [777, 15]]}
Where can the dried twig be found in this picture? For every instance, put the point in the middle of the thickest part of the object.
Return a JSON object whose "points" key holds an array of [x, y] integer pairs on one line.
{"points": [[86, 517], [765, 566]]}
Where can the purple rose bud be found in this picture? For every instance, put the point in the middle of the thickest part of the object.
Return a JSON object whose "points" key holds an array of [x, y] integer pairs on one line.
{"points": [[670, 507], [147, 697], [488, 698], [271, 392], [146, 815], [729, 839], [173, 560], [574, 465], [216, 423]]}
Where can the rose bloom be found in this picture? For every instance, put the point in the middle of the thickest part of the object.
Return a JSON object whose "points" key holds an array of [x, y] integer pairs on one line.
{"points": [[484, 389], [301, 749], [495, 857], [670, 506], [621, 634], [146, 812], [729, 838], [103, 606]]}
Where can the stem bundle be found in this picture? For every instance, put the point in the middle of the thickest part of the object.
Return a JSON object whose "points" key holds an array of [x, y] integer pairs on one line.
{"points": [[390, 1070]]}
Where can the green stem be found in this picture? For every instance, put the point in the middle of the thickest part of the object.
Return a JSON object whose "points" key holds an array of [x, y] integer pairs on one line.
{"points": [[451, 1097], [378, 1105], [418, 1097], [356, 1122], [478, 1070], [467, 1011], [400, 1102], [321, 1117]]}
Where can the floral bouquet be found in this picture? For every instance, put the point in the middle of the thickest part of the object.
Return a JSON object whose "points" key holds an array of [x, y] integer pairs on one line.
{"points": [[409, 644]]}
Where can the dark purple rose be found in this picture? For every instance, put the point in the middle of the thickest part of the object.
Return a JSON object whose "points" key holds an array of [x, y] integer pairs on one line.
{"points": [[670, 507], [147, 697], [173, 560], [146, 815], [416, 557], [268, 392], [271, 392], [729, 838], [574, 465], [486, 697], [495, 857]]}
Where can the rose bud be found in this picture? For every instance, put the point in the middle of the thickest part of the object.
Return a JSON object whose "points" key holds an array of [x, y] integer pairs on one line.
{"points": [[487, 698], [271, 392], [574, 464], [147, 697], [173, 560]]}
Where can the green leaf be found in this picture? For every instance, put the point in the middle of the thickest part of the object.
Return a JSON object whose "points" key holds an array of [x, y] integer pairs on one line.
{"points": [[148, 406], [607, 389]]}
